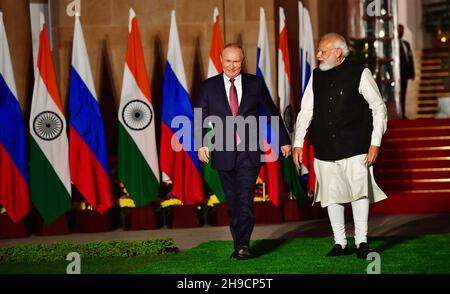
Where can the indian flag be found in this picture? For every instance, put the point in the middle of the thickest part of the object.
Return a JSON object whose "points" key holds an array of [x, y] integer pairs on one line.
{"points": [[286, 97], [138, 157], [210, 175], [49, 152]]}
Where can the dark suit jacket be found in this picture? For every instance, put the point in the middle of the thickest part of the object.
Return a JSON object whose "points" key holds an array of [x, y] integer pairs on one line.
{"points": [[406, 61], [214, 101]]}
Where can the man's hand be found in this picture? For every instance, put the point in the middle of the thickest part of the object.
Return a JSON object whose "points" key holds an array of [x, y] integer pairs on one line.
{"points": [[203, 154], [372, 155], [286, 150], [297, 156]]}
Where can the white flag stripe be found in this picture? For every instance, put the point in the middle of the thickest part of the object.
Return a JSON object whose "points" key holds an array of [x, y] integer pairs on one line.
{"points": [[212, 70], [131, 15], [174, 53], [57, 150], [142, 138], [215, 14], [301, 45], [263, 45], [282, 19], [310, 39], [284, 89], [6, 67], [306, 44], [42, 20], [80, 59]]}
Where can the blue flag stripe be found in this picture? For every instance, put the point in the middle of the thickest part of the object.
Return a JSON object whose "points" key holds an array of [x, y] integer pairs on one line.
{"points": [[307, 71], [301, 71], [12, 128], [258, 70], [267, 131], [86, 119]]}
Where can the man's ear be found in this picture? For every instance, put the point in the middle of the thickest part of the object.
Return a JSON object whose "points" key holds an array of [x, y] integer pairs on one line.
{"points": [[338, 53]]}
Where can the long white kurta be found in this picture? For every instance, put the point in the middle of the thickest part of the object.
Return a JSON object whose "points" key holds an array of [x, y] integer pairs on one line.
{"points": [[348, 179]]}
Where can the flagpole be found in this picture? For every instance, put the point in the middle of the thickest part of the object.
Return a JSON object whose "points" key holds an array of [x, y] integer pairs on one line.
{"points": [[224, 24], [264, 191]]}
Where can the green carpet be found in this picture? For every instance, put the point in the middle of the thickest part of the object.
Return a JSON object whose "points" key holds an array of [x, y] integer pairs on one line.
{"points": [[428, 254], [113, 265], [421, 254]]}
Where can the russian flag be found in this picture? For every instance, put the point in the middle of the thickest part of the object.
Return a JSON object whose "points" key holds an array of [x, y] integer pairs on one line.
{"points": [[270, 172], [307, 64], [14, 178], [306, 44], [180, 166], [87, 145]]}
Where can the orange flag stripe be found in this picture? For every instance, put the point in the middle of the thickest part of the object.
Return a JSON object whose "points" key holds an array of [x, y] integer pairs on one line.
{"points": [[47, 69], [135, 60], [216, 46], [283, 45]]}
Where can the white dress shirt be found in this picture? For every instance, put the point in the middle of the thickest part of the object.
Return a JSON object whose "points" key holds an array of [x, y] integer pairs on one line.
{"points": [[405, 49], [237, 84]]}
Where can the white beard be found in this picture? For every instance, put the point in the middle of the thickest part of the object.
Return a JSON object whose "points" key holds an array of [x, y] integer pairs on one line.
{"points": [[324, 66]]}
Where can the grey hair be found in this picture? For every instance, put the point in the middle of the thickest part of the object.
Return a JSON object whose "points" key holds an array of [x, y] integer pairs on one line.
{"points": [[233, 45], [338, 42]]}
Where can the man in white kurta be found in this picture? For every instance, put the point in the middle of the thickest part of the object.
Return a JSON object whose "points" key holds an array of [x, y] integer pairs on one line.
{"points": [[346, 142]]}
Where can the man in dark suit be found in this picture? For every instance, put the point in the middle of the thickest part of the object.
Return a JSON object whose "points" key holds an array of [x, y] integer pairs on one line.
{"points": [[238, 96], [406, 68]]}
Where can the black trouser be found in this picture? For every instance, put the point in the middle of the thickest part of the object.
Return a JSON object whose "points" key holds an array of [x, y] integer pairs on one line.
{"points": [[239, 185], [403, 88]]}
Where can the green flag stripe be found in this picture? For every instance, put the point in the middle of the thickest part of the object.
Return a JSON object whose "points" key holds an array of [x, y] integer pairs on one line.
{"points": [[210, 175], [134, 171], [48, 192], [292, 179]]}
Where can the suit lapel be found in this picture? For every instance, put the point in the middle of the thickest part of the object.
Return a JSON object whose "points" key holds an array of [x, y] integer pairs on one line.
{"points": [[244, 92], [223, 94]]}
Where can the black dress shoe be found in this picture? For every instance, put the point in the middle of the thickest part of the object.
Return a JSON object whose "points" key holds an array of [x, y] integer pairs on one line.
{"points": [[234, 254], [242, 253], [363, 250], [337, 250]]}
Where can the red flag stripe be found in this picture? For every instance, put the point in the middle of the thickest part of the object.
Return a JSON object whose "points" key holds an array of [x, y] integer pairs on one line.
{"points": [[88, 175], [187, 184], [270, 173], [14, 191]]}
